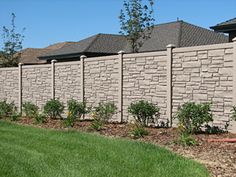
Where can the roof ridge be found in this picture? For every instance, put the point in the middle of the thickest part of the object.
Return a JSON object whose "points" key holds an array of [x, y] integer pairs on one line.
{"points": [[91, 43], [227, 21], [180, 34], [169, 23]]}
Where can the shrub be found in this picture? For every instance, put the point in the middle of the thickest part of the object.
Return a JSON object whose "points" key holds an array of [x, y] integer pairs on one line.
{"points": [[6, 109], [53, 109], [40, 118], [214, 129], [144, 112], [192, 116], [77, 109], [15, 116], [186, 139], [233, 111], [101, 114], [30, 109], [97, 124], [105, 111], [138, 130]]}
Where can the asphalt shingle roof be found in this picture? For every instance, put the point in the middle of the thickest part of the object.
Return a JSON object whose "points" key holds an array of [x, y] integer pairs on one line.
{"points": [[179, 33], [228, 22]]}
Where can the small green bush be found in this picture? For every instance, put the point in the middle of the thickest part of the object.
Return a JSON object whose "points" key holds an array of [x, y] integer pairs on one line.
{"points": [[15, 116], [101, 114], [30, 109], [233, 111], [144, 112], [186, 139], [75, 111], [192, 116], [53, 109], [138, 131], [40, 118], [97, 124], [214, 130], [105, 111], [6, 109]]}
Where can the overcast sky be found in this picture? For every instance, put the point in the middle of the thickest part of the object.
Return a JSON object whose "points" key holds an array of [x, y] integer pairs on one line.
{"points": [[51, 21]]}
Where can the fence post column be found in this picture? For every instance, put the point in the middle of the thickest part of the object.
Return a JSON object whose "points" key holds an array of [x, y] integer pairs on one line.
{"points": [[169, 82], [120, 87], [234, 71], [20, 87], [53, 78], [82, 57]]}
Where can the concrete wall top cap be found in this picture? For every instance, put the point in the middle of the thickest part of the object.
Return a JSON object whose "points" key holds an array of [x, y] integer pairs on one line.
{"points": [[53, 61], [83, 56], [170, 46], [234, 39], [19, 64], [121, 52]]}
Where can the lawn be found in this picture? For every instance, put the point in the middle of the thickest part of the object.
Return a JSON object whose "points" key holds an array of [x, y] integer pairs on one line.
{"points": [[33, 152]]}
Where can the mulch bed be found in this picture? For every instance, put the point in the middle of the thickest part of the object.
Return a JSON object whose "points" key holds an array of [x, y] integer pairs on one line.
{"points": [[218, 157]]}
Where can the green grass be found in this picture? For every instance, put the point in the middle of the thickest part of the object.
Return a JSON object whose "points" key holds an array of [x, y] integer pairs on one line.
{"points": [[32, 152]]}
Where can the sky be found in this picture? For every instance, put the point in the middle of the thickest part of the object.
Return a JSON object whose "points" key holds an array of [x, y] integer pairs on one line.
{"points": [[51, 21]]}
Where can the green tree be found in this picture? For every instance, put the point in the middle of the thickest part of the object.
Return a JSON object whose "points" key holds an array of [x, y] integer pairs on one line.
{"points": [[137, 22], [12, 44]]}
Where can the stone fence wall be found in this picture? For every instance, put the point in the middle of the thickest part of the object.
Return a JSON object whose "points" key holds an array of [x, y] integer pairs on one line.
{"points": [[167, 78]]}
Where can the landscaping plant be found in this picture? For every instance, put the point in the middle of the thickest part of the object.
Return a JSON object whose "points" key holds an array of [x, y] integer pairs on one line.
{"points": [[6, 109], [30, 109], [144, 112], [193, 116], [53, 109], [75, 111], [138, 130], [15, 116], [102, 113], [234, 113], [40, 118]]}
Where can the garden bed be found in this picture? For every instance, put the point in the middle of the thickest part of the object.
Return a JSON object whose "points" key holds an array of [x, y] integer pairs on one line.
{"points": [[219, 158]]}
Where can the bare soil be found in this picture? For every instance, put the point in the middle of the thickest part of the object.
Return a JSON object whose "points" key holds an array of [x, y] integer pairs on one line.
{"points": [[218, 157]]}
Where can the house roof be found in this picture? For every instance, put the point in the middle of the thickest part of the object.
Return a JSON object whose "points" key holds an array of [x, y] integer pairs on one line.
{"points": [[30, 55], [226, 26], [179, 33]]}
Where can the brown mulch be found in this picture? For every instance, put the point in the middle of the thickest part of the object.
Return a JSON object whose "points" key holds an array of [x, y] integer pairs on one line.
{"points": [[218, 157]]}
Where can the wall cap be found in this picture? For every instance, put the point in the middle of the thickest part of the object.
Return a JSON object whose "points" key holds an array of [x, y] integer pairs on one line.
{"points": [[170, 46], [53, 61], [234, 39], [121, 52], [83, 57]]}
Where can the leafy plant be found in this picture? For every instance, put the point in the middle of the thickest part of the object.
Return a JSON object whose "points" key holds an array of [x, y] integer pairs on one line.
{"points": [[53, 109], [144, 112], [213, 129], [75, 111], [6, 109], [186, 139], [15, 116], [101, 114], [136, 22], [11, 46], [30, 109], [233, 111], [192, 116], [105, 111], [40, 118], [138, 130], [97, 124]]}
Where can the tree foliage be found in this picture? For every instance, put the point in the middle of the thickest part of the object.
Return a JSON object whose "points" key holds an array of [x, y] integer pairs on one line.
{"points": [[137, 22], [12, 44]]}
